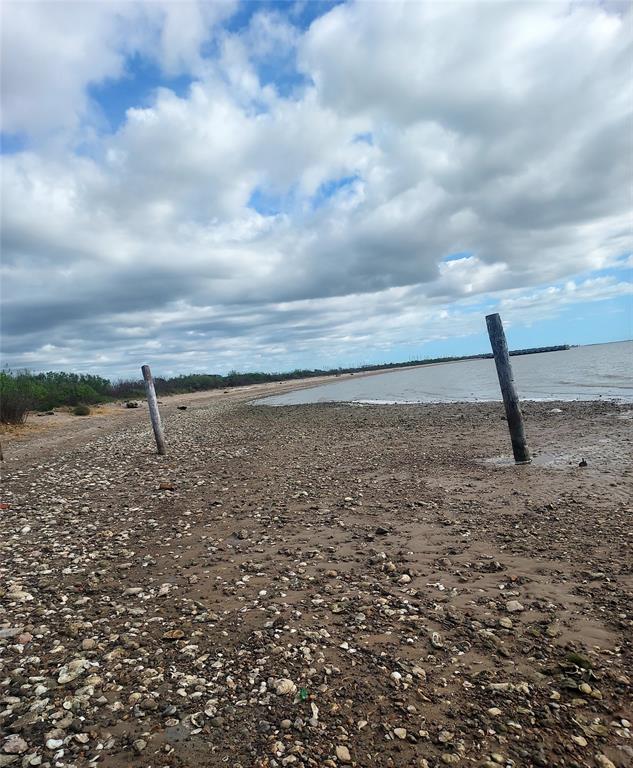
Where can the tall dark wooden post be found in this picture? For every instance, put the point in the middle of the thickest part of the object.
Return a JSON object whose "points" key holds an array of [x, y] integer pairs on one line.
{"points": [[153, 410], [508, 390]]}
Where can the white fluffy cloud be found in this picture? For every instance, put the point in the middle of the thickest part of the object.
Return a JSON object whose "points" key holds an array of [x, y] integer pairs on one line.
{"points": [[308, 187]]}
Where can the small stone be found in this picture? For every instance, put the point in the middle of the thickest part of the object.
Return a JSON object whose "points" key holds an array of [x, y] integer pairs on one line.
{"points": [[498, 758], [174, 634], [404, 579], [450, 759], [342, 754], [14, 745], [88, 644], [54, 744], [286, 725], [494, 711], [585, 688], [401, 733], [505, 622], [139, 745], [285, 687], [514, 606], [9, 632], [165, 485], [580, 740], [603, 761], [72, 671]]}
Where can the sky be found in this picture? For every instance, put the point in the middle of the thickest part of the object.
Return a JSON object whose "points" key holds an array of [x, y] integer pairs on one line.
{"points": [[208, 186]]}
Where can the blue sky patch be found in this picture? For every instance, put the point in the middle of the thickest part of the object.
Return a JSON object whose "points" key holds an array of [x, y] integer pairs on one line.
{"points": [[134, 89]]}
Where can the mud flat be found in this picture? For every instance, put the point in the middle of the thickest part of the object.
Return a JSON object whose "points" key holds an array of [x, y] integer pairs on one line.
{"points": [[318, 585]]}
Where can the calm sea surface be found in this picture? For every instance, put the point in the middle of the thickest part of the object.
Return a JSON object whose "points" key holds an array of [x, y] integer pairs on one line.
{"points": [[582, 373]]}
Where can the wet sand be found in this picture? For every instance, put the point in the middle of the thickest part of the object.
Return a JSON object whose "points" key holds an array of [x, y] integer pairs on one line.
{"points": [[318, 586]]}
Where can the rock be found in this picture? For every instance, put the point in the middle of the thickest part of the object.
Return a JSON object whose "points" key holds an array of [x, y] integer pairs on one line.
{"points": [[514, 606], [404, 579], [9, 632], [139, 745], [131, 404], [285, 725], [436, 640], [72, 671], [603, 761], [585, 688], [54, 744], [450, 759], [166, 485], [381, 531], [181, 407], [505, 622], [88, 644], [494, 711], [343, 755], [401, 733], [580, 740], [173, 634], [583, 463], [285, 687], [14, 745]]}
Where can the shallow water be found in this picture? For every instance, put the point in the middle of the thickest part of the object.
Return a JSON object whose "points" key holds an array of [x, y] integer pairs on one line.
{"points": [[597, 371]]}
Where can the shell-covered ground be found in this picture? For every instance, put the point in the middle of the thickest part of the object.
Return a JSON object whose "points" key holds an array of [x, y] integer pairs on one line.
{"points": [[319, 585]]}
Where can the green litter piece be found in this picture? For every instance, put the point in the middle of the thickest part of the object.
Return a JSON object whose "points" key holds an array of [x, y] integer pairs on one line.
{"points": [[303, 694]]}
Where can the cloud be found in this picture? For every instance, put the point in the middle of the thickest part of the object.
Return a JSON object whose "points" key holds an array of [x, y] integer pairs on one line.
{"points": [[304, 192]]}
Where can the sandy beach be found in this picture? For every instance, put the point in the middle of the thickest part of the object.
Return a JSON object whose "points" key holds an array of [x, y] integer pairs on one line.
{"points": [[318, 585]]}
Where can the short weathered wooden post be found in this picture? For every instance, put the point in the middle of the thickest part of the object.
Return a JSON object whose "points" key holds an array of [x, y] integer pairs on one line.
{"points": [[508, 390], [153, 410]]}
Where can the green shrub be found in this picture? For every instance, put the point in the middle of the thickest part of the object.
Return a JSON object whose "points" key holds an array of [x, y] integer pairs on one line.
{"points": [[15, 401], [81, 410]]}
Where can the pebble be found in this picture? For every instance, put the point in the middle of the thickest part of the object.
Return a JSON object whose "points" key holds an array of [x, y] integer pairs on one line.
{"points": [[603, 761], [285, 687], [342, 754], [72, 671], [54, 744], [401, 733], [14, 745], [514, 606]]}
